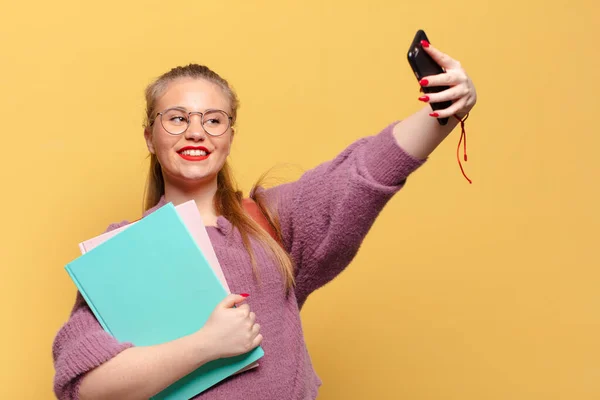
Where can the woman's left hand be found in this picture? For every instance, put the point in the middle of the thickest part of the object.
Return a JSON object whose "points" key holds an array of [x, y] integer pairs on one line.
{"points": [[461, 92]]}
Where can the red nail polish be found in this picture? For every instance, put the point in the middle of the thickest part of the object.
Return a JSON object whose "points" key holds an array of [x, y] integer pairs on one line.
{"points": [[244, 294], [424, 98], [425, 43], [435, 115], [424, 82]]}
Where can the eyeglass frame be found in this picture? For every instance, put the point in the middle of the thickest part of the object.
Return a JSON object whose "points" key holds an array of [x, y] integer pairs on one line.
{"points": [[229, 118]]}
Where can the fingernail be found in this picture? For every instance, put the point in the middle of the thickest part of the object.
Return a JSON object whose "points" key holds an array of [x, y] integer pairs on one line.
{"points": [[424, 98], [424, 43], [244, 294], [424, 82], [435, 115]]}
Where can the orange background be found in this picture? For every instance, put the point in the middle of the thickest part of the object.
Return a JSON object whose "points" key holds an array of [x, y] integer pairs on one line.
{"points": [[484, 291]]}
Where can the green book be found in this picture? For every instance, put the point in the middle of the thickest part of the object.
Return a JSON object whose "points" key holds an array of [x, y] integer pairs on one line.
{"points": [[151, 284]]}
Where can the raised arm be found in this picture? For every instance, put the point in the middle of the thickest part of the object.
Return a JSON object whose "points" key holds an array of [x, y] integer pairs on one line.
{"points": [[326, 214]]}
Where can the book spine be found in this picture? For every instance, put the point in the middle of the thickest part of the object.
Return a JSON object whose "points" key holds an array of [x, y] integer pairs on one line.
{"points": [[88, 300]]}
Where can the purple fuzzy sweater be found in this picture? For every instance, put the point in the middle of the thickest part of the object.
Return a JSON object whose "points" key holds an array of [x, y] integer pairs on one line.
{"points": [[324, 217]]}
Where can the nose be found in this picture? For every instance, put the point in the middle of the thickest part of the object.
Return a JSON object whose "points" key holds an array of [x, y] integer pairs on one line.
{"points": [[195, 131]]}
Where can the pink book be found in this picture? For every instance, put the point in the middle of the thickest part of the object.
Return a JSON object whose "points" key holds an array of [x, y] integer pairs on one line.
{"points": [[192, 219]]}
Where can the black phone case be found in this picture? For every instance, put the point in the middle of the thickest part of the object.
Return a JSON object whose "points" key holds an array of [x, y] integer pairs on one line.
{"points": [[423, 66]]}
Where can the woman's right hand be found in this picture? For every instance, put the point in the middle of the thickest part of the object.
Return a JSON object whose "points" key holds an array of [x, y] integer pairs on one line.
{"points": [[230, 331]]}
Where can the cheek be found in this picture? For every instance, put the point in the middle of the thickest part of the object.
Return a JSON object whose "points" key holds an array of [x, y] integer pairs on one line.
{"points": [[227, 149], [226, 145], [163, 144]]}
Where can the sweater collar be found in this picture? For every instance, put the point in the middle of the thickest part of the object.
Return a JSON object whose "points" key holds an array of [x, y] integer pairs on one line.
{"points": [[223, 224], [161, 202]]}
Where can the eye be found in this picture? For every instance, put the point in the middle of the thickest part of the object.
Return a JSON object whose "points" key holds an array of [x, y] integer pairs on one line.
{"points": [[176, 117], [215, 118], [212, 121]]}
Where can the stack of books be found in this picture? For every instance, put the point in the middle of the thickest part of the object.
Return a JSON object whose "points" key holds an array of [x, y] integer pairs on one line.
{"points": [[156, 280]]}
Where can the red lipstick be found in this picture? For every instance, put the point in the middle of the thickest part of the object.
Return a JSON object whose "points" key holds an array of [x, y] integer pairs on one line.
{"points": [[194, 157]]}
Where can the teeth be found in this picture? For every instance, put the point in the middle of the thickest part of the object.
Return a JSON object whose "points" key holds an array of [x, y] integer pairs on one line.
{"points": [[193, 153]]}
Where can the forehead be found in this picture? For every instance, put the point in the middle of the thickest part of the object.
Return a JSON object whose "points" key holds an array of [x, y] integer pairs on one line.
{"points": [[194, 95]]}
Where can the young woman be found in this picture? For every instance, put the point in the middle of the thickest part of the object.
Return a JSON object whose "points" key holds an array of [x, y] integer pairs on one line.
{"points": [[320, 221]]}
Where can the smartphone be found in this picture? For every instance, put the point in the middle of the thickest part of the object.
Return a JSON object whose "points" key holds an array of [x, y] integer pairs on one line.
{"points": [[423, 65]]}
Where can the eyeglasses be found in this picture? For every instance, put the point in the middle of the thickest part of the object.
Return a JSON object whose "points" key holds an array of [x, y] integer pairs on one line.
{"points": [[177, 120]]}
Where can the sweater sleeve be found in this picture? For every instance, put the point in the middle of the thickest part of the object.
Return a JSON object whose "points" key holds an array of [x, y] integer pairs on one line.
{"points": [[81, 345], [325, 215]]}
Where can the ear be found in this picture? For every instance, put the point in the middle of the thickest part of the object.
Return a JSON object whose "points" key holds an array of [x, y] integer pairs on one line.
{"points": [[231, 140], [148, 137]]}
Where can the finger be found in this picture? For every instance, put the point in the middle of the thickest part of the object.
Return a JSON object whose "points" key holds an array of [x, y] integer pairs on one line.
{"points": [[453, 109], [451, 94], [255, 330], [443, 59], [244, 310], [231, 300], [252, 317], [257, 341], [450, 78]]}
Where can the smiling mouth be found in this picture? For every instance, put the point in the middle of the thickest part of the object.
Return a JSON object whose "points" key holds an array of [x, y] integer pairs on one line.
{"points": [[194, 154]]}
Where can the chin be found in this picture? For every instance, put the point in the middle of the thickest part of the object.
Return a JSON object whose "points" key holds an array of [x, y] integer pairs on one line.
{"points": [[191, 174], [197, 177]]}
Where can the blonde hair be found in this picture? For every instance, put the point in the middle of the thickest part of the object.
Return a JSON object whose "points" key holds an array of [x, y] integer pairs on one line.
{"points": [[228, 199]]}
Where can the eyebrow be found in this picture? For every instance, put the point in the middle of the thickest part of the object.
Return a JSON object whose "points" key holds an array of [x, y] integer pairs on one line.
{"points": [[182, 108], [186, 109]]}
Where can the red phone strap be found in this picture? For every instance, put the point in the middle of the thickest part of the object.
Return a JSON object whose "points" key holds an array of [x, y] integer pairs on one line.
{"points": [[463, 136]]}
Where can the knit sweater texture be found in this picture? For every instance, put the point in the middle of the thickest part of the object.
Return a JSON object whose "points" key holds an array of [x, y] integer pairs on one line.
{"points": [[324, 217]]}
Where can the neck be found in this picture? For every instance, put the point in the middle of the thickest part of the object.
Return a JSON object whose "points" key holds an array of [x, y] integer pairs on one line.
{"points": [[203, 194]]}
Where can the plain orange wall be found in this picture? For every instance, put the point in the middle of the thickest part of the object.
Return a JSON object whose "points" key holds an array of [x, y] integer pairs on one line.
{"points": [[460, 292]]}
